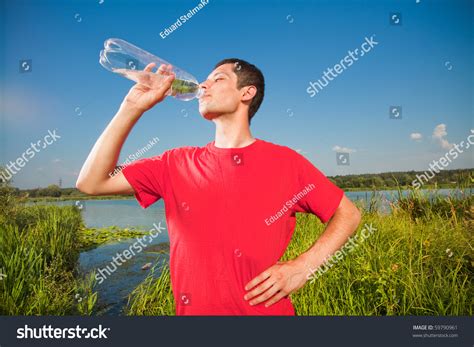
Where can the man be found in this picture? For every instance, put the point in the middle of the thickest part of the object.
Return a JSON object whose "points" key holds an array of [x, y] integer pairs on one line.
{"points": [[231, 205]]}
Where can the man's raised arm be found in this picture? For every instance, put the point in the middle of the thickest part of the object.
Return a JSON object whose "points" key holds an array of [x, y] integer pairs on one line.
{"points": [[94, 178]]}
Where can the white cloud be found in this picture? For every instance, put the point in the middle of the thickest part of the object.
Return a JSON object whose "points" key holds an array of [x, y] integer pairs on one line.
{"points": [[439, 135], [440, 131], [416, 136], [343, 149]]}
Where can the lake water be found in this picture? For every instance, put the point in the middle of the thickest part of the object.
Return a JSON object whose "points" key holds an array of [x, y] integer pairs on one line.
{"points": [[122, 213], [117, 286], [127, 213]]}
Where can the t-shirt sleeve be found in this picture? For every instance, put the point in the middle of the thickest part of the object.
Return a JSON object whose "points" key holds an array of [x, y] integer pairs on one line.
{"points": [[322, 196], [148, 178]]}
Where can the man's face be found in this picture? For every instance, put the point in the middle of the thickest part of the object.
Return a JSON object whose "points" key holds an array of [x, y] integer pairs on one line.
{"points": [[220, 93]]}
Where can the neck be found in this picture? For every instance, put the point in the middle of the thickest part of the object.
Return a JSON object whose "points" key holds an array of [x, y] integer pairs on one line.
{"points": [[232, 131]]}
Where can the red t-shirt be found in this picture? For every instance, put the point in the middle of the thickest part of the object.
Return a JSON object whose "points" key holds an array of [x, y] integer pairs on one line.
{"points": [[230, 214]]}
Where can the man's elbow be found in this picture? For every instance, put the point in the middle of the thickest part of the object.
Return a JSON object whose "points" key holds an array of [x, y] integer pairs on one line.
{"points": [[349, 211], [357, 216], [354, 214], [85, 188]]}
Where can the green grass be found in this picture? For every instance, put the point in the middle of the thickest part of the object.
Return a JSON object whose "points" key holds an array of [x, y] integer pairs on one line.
{"points": [[419, 261], [39, 250], [153, 297]]}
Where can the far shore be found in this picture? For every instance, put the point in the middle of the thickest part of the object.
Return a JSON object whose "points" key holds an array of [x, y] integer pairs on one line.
{"points": [[130, 197], [80, 197]]}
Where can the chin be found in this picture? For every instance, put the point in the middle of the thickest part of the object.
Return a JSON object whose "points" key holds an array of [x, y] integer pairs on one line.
{"points": [[208, 114]]}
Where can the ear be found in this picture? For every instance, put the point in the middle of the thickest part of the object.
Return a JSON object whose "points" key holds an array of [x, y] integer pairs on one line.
{"points": [[248, 92]]}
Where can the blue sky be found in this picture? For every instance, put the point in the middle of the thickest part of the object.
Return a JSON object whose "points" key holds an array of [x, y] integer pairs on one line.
{"points": [[423, 65]]}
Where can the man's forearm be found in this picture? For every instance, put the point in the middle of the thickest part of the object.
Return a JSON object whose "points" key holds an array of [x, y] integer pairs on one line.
{"points": [[105, 153], [343, 224], [284, 278]]}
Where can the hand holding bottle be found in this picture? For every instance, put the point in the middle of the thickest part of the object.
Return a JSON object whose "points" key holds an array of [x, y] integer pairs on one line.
{"points": [[151, 87]]}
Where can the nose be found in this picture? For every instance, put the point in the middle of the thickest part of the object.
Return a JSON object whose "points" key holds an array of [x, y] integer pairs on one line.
{"points": [[204, 85]]}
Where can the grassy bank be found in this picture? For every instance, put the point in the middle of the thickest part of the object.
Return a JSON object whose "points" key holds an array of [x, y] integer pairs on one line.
{"points": [[418, 261], [39, 253]]}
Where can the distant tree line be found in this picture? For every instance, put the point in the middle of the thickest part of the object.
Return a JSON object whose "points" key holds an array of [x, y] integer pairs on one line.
{"points": [[446, 178], [52, 190]]}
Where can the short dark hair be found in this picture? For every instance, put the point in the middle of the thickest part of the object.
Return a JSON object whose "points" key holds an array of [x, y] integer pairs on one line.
{"points": [[248, 75]]}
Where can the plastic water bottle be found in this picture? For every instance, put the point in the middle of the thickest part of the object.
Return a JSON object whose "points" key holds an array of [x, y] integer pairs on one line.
{"points": [[129, 61]]}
